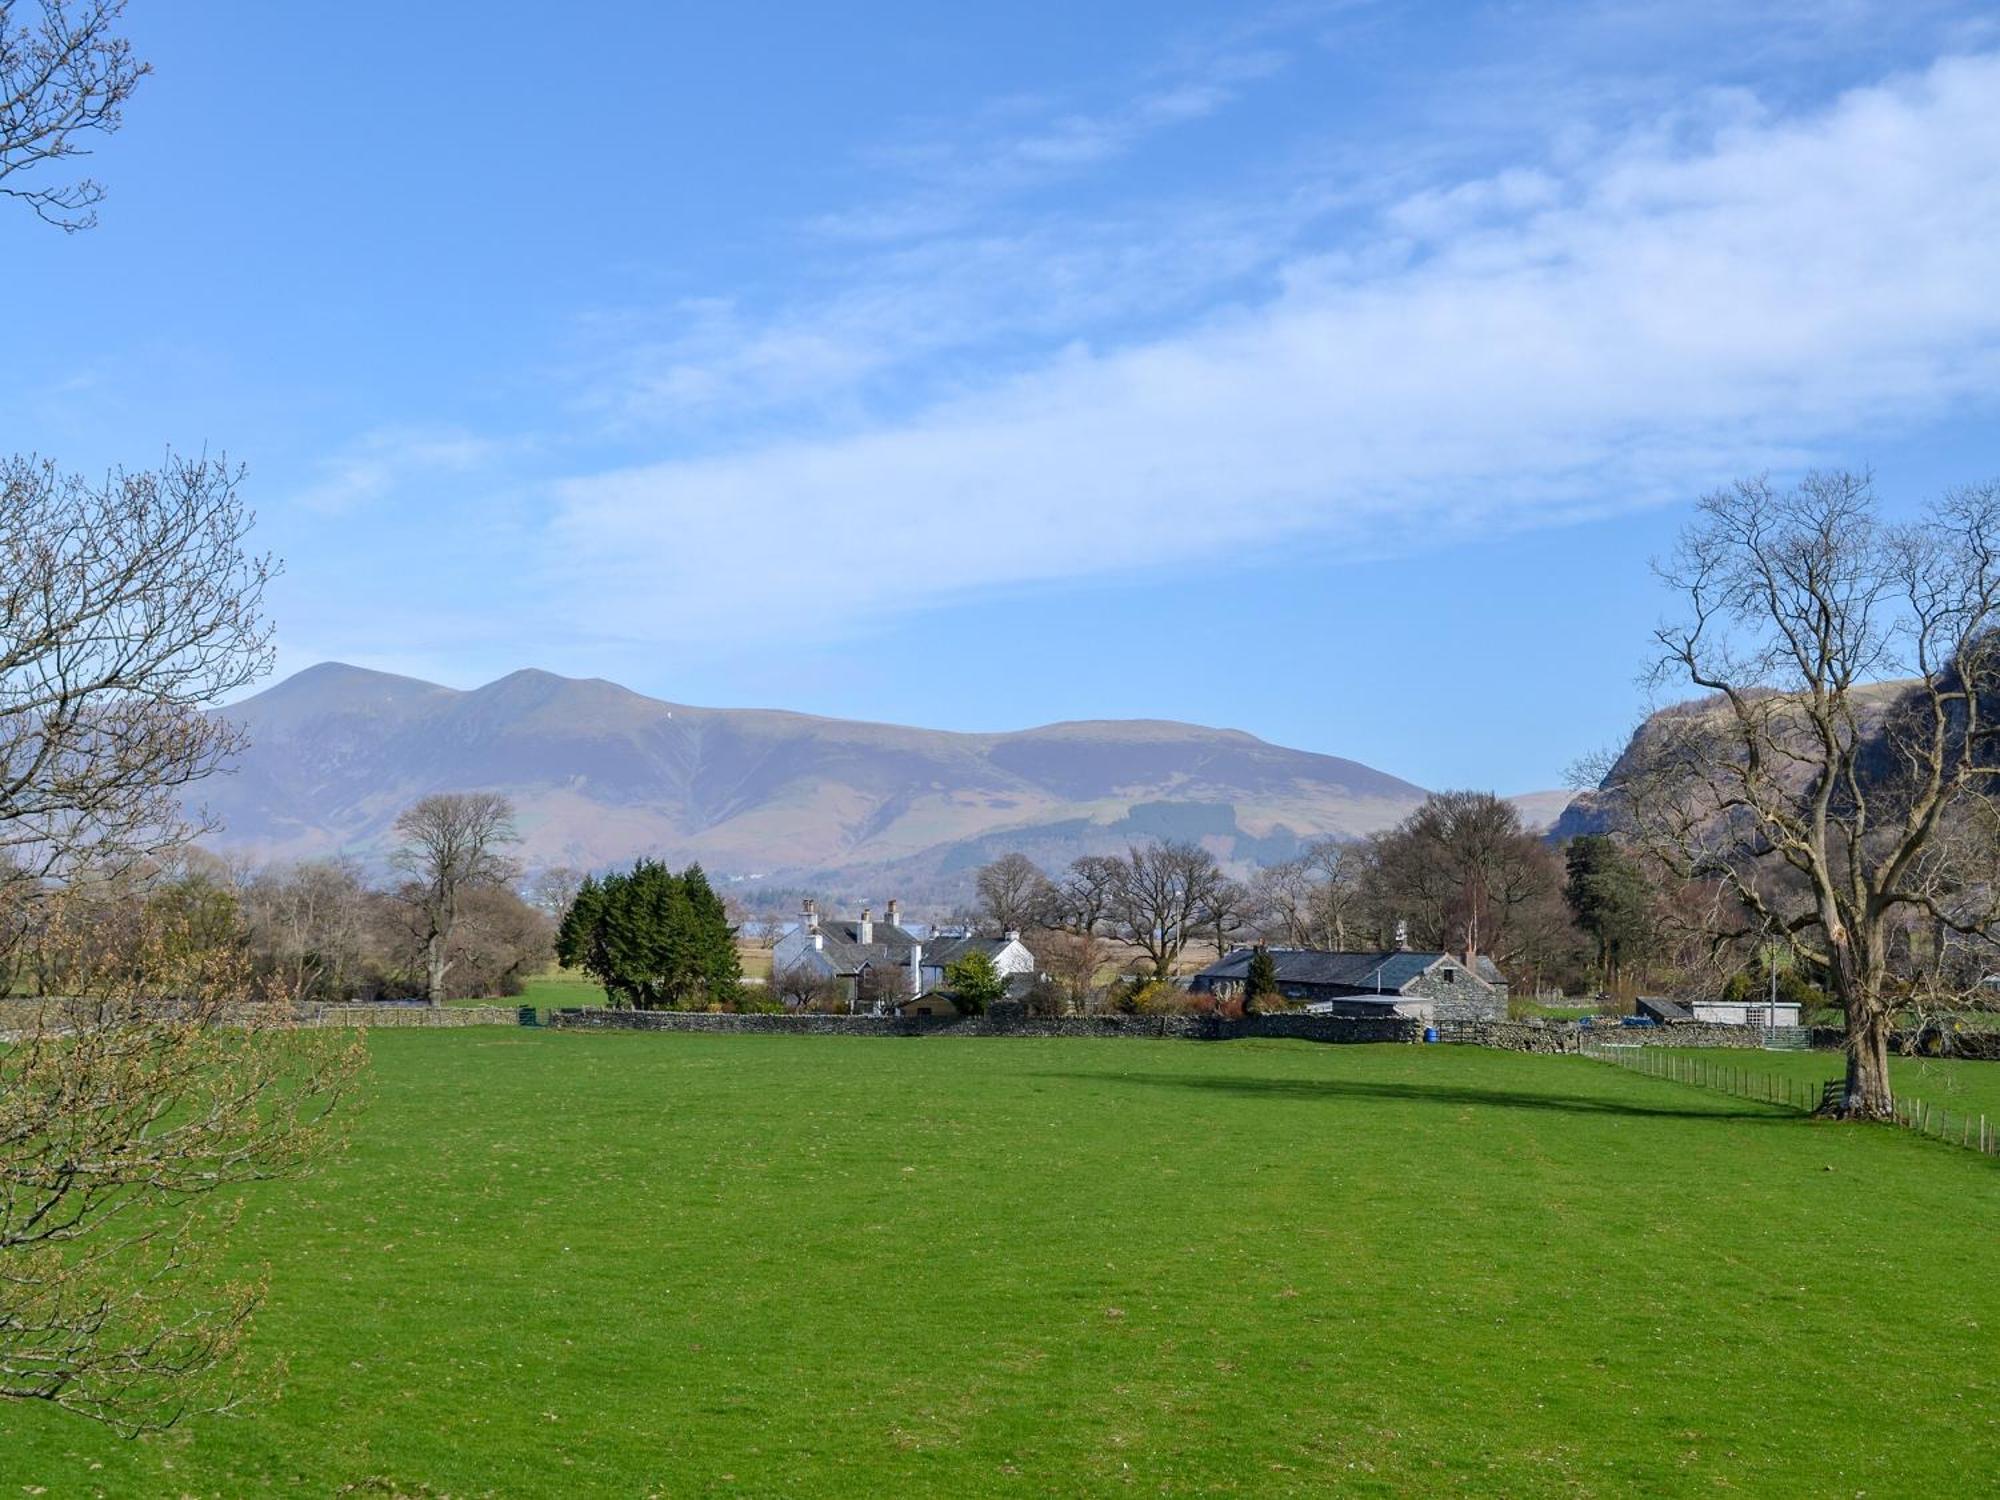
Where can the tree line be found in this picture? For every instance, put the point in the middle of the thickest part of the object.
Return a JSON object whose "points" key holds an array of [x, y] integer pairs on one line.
{"points": [[446, 924], [1460, 874]]}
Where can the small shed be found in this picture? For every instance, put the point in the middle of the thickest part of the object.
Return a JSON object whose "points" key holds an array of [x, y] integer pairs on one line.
{"points": [[1758, 1012]]}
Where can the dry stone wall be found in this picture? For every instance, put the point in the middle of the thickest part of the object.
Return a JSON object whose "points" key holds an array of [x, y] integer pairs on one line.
{"points": [[1187, 1028]]}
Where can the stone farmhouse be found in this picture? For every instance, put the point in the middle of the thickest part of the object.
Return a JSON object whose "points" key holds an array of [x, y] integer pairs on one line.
{"points": [[843, 950], [1392, 982]]}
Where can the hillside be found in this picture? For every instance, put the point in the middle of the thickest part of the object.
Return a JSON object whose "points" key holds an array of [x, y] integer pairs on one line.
{"points": [[601, 774], [1597, 810]]}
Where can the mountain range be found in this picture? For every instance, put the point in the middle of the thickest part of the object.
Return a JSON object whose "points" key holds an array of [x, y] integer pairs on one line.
{"points": [[600, 774]]}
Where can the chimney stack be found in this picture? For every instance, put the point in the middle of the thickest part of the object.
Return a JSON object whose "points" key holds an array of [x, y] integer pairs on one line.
{"points": [[1402, 936], [893, 916], [1012, 934], [866, 932], [810, 913]]}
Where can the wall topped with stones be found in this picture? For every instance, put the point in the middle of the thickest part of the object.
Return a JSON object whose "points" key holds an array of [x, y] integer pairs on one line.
{"points": [[1509, 1036], [410, 1015], [1185, 1028], [1568, 1036]]}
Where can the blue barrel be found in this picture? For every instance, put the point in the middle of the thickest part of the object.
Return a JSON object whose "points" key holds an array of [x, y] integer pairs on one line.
{"points": [[1430, 1033]]}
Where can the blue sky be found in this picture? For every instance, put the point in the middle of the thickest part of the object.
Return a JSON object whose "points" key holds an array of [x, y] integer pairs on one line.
{"points": [[1331, 371]]}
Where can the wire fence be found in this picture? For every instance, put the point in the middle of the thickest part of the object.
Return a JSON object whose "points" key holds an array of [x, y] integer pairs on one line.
{"points": [[1974, 1132]]}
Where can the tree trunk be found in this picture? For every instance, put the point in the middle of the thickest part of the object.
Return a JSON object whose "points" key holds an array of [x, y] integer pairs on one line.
{"points": [[1866, 1094], [1857, 983], [434, 965]]}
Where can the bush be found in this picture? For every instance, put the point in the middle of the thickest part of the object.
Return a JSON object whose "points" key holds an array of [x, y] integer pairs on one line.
{"points": [[1046, 999], [756, 1000], [974, 982], [1159, 997]]}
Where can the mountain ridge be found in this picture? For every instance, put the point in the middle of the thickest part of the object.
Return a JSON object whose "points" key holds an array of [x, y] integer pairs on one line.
{"points": [[601, 773]]}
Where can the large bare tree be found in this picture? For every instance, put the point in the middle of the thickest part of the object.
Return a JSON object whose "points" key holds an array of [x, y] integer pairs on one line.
{"points": [[1082, 899], [309, 928], [1839, 782], [127, 607], [1160, 898], [1013, 894], [64, 79], [450, 844], [1313, 900], [1467, 877]]}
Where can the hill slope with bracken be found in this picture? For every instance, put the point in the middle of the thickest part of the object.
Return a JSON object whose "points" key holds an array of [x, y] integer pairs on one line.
{"points": [[601, 774]]}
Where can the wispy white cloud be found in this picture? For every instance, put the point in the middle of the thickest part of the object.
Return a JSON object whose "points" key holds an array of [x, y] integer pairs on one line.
{"points": [[381, 463], [1566, 334], [948, 172]]}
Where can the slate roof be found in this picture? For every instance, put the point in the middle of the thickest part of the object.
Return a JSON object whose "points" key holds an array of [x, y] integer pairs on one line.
{"points": [[1363, 973], [839, 942], [1661, 1009], [950, 950]]}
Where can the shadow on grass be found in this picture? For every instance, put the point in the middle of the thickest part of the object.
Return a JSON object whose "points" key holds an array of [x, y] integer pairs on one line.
{"points": [[1427, 1093]]}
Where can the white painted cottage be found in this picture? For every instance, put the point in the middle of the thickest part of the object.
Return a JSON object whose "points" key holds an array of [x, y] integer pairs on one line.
{"points": [[842, 949]]}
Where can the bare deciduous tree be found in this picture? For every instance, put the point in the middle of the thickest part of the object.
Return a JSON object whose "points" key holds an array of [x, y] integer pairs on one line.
{"points": [[450, 845], [1314, 900], [126, 608], [553, 889], [881, 987], [1467, 877], [1226, 915], [1159, 899], [308, 927], [64, 77], [127, 1117], [1013, 894], [498, 942], [1083, 900], [1072, 959], [805, 988], [1854, 668]]}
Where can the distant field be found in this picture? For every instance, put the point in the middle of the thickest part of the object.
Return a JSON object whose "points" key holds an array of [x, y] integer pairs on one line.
{"points": [[626, 1265], [560, 987]]}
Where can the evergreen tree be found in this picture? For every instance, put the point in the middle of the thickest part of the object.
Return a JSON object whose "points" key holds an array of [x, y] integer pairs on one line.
{"points": [[974, 982], [1612, 902], [655, 940], [1260, 984]]}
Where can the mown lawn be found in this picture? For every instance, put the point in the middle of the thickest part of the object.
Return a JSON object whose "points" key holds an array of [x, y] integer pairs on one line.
{"points": [[581, 1265]]}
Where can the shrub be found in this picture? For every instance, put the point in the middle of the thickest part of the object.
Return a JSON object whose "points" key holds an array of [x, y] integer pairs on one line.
{"points": [[974, 982], [1159, 997]]}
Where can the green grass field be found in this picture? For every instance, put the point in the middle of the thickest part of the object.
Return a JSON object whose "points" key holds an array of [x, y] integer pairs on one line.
{"points": [[1962, 1087], [558, 987], [584, 1265]]}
